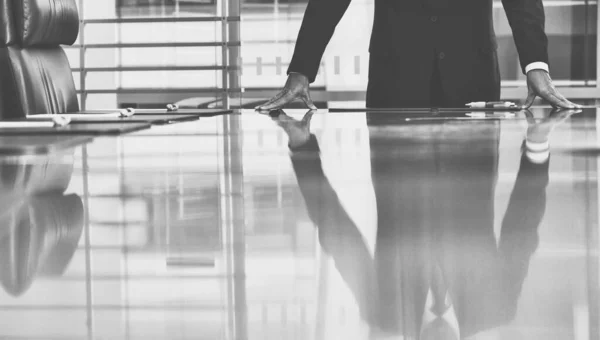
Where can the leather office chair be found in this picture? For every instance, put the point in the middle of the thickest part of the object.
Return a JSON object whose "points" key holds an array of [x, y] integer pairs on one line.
{"points": [[35, 75]]}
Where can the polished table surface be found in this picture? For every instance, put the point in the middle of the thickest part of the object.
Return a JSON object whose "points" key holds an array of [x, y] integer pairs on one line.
{"points": [[318, 225]]}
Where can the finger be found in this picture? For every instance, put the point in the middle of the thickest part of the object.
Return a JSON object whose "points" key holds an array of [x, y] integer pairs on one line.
{"points": [[308, 102], [280, 102], [562, 99], [559, 101], [529, 101], [529, 116], [308, 116], [269, 103], [277, 97], [551, 98], [563, 114], [572, 106], [273, 99]]}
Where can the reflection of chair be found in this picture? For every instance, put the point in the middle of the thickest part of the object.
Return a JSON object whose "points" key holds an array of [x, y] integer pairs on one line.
{"points": [[41, 227], [40, 230], [42, 240], [36, 75]]}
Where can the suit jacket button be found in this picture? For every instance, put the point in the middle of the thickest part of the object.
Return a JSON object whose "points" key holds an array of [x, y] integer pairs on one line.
{"points": [[434, 18], [442, 55]]}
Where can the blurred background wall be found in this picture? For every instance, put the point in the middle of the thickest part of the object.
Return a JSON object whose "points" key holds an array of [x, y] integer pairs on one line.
{"points": [[152, 52]]}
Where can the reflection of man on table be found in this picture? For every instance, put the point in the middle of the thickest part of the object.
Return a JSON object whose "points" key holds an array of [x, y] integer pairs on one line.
{"points": [[426, 53], [437, 272]]}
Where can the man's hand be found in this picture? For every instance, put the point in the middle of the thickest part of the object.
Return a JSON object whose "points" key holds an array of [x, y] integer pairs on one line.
{"points": [[296, 87], [539, 84], [298, 131]]}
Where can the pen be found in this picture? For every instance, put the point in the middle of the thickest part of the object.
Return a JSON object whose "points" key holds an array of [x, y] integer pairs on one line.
{"points": [[492, 105], [490, 115]]}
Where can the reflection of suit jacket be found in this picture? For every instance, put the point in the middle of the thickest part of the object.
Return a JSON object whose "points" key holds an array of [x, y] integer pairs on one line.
{"points": [[435, 205], [40, 230]]}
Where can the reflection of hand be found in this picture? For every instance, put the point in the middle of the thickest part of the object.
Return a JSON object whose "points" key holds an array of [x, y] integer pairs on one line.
{"points": [[296, 87], [298, 131], [540, 84], [538, 133]]}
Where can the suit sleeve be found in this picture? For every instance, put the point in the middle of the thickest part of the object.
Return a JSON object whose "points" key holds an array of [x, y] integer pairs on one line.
{"points": [[338, 235], [320, 19], [527, 20], [496, 303], [519, 235]]}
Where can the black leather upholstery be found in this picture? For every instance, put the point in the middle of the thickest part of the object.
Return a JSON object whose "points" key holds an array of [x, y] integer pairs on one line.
{"points": [[36, 75], [7, 28], [46, 22], [39, 81]]}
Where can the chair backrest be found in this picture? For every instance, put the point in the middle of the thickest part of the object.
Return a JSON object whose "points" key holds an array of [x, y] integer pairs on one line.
{"points": [[35, 73]]}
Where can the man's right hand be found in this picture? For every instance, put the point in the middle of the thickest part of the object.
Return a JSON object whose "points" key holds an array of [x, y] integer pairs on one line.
{"points": [[296, 87]]}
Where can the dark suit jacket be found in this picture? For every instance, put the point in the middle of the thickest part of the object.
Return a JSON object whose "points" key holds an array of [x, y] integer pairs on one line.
{"points": [[415, 32], [435, 204]]}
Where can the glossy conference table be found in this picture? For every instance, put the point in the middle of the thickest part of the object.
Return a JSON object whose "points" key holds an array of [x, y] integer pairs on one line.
{"points": [[250, 226]]}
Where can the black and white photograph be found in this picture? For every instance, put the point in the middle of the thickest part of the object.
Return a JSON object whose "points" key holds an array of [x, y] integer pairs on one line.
{"points": [[299, 170]]}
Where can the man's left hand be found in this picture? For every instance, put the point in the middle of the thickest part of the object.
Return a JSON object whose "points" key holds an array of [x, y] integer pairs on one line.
{"points": [[540, 84]]}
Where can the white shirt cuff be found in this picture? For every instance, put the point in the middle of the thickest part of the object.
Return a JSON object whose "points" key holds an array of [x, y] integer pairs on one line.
{"points": [[538, 65], [537, 152]]}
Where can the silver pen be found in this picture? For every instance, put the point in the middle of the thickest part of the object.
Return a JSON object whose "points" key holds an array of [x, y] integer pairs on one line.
{"points": [[492, 105], [490, 115]]}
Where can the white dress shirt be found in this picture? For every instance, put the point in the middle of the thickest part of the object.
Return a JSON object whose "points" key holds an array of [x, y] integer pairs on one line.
{"points": [[449, 315], [538, 65]]}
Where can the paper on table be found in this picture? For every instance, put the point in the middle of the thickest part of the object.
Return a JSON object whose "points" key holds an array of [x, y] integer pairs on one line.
{"points": [[118, 112], [80, 116]]}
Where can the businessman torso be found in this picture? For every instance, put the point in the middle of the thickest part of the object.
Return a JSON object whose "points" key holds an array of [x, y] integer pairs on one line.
{"points": [[413, 28], [413, 38]]}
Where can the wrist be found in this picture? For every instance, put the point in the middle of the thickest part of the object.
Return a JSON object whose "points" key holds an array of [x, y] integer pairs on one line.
{"points": [[297, 75], [297, 82]]}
